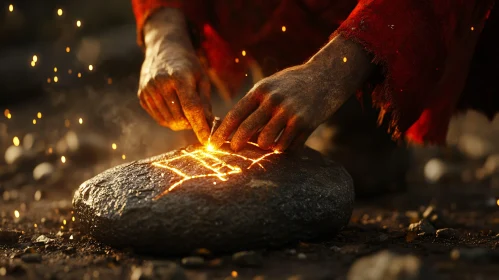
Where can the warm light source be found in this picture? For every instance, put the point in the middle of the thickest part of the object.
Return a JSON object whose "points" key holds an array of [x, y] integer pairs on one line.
{"points": [[216, 162], [283, 28], [63, 159], [345, 59], [16, 214], [80, 120], [39, 115], [68, 49], [243, 53], [114, 146], [11, 8], [56, 79], [90, 67], [59, 12], [78, 23]]}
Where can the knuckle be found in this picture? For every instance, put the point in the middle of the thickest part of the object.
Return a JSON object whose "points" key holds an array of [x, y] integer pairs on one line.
{"points": [[163, 79], [274, 99], [263, 85], [300, 121]]}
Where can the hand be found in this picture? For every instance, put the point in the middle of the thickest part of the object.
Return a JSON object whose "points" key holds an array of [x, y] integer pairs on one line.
{"points": [[289, 105], [173, 87]]}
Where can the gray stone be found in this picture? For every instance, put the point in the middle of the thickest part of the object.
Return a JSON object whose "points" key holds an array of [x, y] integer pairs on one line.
{"points": [[422, 227], [31, 258], [288, 199], [386, 265]]}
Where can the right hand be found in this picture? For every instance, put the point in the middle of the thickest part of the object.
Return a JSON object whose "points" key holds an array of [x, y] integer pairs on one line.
{"points": [[173, 86]]}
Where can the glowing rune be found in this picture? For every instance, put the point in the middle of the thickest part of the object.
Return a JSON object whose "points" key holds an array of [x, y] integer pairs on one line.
{"points": [[216, 163]]}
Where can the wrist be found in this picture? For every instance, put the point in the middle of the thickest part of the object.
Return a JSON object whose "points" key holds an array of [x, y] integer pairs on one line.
{"points": [[167, 27]]}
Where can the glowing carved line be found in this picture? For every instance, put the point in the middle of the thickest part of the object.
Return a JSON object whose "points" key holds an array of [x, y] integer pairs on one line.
{"points": [[201, 157]]}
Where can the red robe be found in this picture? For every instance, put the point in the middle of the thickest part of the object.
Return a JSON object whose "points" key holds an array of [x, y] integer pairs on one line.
{"points": [[436, 55]]}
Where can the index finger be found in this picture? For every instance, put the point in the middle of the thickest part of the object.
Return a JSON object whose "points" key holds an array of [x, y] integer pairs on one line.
{"points": [[193, 109], [234, 118]]}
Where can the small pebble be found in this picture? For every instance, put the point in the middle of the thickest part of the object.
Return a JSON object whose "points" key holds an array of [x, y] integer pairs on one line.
{"points": [[9, 236], [291, 252], [422, 227], [31, 258], [29, 250], [43, 171], [301, 256], [247, 259], [42, 239], [335, 249], [192, 262], [31, 141], [14, 154]]}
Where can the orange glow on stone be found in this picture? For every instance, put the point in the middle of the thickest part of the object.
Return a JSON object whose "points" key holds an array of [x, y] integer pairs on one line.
{"points": [[211, 159]]}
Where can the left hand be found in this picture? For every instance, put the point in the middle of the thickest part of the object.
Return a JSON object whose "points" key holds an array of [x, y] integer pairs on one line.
{"points": [[289, 105]]}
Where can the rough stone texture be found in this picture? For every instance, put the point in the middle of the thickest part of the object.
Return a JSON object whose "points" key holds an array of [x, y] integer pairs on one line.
{"points": [[296, 198]]}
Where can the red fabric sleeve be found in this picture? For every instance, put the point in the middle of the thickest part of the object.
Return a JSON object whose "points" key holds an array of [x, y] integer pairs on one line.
{"points": [[411, 40], [196, 11]]}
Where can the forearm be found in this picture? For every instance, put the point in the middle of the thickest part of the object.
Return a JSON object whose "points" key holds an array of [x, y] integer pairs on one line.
{"points": [[167, 28], [346, 64]]}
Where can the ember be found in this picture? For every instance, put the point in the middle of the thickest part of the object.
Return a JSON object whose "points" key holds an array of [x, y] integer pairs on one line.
{"points": [[215, 161]]}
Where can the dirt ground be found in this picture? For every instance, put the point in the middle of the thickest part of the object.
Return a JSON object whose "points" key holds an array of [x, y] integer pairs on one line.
{"points": [[110, 115], [375, 225]]}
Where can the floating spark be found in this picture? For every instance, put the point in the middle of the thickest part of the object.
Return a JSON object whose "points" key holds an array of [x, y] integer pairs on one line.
{"points": [[213, 161]]}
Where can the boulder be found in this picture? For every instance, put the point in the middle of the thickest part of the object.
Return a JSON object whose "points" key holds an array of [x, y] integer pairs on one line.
{"points": [[217, 200]]}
